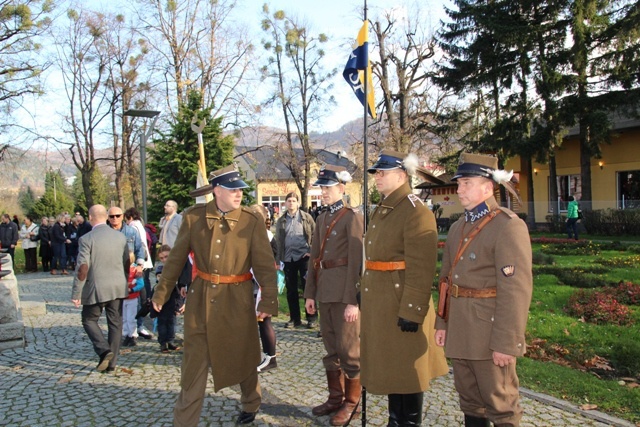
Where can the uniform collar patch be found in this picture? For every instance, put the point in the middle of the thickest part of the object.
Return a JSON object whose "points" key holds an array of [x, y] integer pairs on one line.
{"points": [[336, 207], [508, 270], [476, 213]]}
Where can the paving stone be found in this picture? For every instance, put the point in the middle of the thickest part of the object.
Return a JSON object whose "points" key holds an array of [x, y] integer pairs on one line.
{"points": [[53, 382]]}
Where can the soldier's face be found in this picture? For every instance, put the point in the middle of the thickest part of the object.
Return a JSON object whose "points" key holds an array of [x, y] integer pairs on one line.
{"points": [[387, 181], [332, 194], [228, 200], [473, 190]]}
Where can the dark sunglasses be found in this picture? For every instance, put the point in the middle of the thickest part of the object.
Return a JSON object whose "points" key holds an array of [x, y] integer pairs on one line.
{"points": [[115, 216]]}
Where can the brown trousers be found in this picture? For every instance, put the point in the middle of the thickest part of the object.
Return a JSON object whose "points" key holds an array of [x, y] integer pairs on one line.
{"points": [[488, 391], [189, 404], [341, 339]]}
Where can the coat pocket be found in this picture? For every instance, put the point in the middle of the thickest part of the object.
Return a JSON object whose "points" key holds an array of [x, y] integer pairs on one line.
{"points": [[484, 313]]}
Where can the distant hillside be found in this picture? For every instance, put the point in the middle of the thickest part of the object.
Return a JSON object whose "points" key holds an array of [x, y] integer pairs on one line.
{"points": [[21, 169]]}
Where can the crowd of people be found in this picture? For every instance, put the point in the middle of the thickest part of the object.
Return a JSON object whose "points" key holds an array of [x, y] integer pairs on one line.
{"points": [[369, 290]]}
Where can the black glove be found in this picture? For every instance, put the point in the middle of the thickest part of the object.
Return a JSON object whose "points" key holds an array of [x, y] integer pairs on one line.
{"points": [[407, 325]]}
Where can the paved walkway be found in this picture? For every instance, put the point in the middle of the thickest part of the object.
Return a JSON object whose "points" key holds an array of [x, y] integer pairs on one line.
{"points": [[52, 382]]}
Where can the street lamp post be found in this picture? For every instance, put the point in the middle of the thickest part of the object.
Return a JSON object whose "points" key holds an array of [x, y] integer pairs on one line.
{"points": [[147, 114]]}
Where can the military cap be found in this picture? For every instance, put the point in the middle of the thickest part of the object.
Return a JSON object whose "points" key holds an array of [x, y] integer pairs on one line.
{"points": [[227, 177], [331, 175], [387, 160], [476, 165]]}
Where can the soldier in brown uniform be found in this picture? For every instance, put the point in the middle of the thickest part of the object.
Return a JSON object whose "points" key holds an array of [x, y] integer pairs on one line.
{"points": [[220, 319], [486, 285], [334, 270], [397, 311]]}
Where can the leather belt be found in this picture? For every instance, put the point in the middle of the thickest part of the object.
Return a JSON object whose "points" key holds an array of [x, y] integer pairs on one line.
{"points": [[385, 265], [331, 263], [218, 279], [460, 292]]}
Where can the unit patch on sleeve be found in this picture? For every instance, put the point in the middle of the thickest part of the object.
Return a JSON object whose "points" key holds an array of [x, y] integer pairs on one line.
{"points": [[508, 270]]}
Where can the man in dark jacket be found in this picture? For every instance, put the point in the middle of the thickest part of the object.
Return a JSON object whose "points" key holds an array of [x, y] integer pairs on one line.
{"points": [[9, 236]]}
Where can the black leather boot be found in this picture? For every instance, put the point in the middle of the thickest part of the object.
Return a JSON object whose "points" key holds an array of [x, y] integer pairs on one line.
{"points": [[412, 409], [395, 410], [470, 421]]}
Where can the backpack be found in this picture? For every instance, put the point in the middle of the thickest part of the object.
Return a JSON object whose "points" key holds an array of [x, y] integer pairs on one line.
{"points": [[152, 237]]}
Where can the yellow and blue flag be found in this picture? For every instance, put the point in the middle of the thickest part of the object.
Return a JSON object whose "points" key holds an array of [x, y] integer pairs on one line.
{"points": [[354, 70]]}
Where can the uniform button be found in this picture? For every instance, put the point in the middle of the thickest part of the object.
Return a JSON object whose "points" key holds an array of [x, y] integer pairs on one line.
{"points": [[519, 345], [456, 276], [366, 289], [218, 241], [369, 258], [419, 308], [369, 242], [492, 318], [215, 271], [397, 285], [217, 256], [212, 300], [327, 226], [367, 273], [192, 290], [466, 238], [461, 258], [220, 226], [373, 226], [213, 286], [410, 305]]}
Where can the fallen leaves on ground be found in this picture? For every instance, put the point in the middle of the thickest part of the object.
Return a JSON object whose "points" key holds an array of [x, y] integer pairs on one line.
{"points": [[588, 407]]}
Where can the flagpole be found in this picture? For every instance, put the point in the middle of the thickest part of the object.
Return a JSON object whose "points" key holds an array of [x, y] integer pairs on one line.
{"points": [[365, 198]]}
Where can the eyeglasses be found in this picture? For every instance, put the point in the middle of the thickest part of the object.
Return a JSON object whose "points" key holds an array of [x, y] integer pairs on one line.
{"points": [[381, 172], [115, 216]]}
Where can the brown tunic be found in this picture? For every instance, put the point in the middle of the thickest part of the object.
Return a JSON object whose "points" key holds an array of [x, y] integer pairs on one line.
{"points": [[500, 256]]}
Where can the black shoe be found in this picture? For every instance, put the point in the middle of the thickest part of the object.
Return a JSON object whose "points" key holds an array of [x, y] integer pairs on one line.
{"points": [[109, 370], [105, 358], [311, 324], [164, 348], [246, 417], [173, 347], [129, 342], [292, 324]]}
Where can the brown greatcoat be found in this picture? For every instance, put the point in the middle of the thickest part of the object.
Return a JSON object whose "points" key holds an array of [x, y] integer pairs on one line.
{"points": [[229, 245], [392, 361], [500, 256]]}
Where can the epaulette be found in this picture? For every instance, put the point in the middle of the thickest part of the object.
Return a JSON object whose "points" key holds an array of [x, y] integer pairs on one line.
{"points": [[196, 206], [413, 199], [509, 212]]}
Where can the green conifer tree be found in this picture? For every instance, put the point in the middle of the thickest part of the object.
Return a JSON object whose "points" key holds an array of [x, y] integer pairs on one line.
{"points": [[173, 168]]}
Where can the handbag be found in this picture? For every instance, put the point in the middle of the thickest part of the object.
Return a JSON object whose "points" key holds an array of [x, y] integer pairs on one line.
{"points": [[580, 216], [34, 238]]}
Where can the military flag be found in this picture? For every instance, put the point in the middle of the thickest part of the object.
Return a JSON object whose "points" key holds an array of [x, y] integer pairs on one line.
{"points": [[354, 71]]}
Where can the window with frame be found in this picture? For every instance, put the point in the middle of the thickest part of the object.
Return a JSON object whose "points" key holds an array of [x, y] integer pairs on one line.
{"points": [[628, 189], [567, 185]]}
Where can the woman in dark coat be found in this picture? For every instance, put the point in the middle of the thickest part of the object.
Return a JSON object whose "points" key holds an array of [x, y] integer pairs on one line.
{"points": [[45, 244]]}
